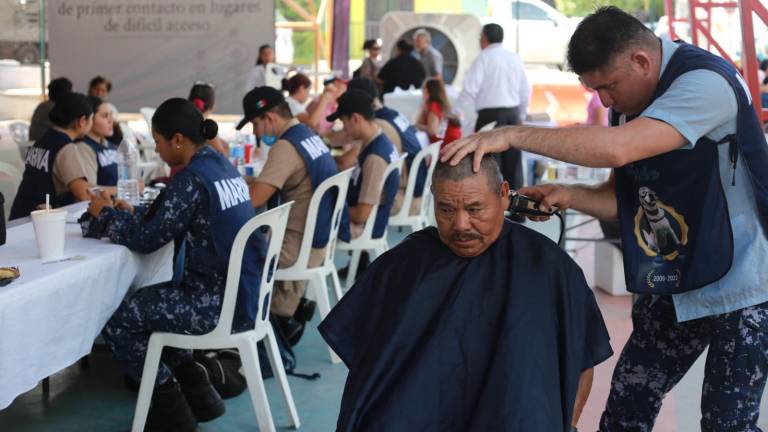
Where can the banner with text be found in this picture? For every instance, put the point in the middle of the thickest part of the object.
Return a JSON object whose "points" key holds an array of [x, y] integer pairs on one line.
{"points": [[155, 50]]}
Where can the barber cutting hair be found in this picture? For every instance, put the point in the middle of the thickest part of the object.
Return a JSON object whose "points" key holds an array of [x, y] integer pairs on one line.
{"points": [[690, 190]]}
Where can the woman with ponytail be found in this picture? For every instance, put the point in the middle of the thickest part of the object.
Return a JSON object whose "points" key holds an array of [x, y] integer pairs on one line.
{"points": [[202, 225]]}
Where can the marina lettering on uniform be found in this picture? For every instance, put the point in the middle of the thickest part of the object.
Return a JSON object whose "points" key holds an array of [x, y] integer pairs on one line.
{"points": [[232, 192], [314, 146], [37, 158], [107, 158]]}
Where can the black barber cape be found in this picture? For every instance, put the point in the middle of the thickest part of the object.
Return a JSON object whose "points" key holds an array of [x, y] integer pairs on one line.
{"points": [[436, 342]]}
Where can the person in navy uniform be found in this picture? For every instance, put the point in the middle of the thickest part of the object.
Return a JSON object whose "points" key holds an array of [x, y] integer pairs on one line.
{"points": [[98, 153], [355, 111], [200, 211], [298, 161], [690, 191], [53, 166], [403, 136]]}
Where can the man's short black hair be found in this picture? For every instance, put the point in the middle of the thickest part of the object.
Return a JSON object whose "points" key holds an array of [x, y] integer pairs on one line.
{"points": [[604, 34], [493, 32]]}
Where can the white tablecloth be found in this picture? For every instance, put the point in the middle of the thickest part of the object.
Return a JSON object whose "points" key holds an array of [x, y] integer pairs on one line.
{"points": [[50, 316]]}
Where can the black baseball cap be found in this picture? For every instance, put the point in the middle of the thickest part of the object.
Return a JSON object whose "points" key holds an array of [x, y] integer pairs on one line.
{"points": [[258, 101], [353, 101], [365, 84]]}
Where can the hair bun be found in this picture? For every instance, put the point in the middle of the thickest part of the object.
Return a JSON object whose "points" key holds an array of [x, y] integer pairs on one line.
{"points": [[209, 129]]}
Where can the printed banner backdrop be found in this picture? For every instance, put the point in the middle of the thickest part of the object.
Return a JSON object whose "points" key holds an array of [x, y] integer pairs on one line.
{"points": [[153, 50]]}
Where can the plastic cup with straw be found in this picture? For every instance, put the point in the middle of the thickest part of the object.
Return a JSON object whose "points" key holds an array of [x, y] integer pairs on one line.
{"points": [[49, 225]]}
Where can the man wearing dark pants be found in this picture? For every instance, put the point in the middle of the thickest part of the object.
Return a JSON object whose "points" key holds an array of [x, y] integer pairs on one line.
{"points": [[496, 85], [690, 190]]}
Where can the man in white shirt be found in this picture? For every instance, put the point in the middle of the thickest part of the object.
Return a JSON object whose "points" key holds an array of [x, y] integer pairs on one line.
{"points": [[496, 85]]}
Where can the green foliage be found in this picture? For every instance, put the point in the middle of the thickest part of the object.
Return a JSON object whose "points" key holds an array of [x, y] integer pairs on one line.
{"points": [[303, 41], [648, 10]]}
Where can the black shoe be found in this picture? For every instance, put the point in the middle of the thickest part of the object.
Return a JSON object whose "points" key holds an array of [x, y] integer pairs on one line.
{"points": [[223, 368], [205, 402], [305, 311], [291, 329], [169, 411]]}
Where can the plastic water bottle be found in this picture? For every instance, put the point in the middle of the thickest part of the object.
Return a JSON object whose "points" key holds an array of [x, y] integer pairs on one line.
{"points": [[128, 173]]}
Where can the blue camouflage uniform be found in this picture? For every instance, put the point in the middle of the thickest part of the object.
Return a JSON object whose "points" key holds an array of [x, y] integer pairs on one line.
{"points": [[191, 302]]}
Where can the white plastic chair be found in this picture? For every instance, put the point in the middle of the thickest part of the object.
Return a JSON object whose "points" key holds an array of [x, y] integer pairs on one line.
{"points": [[404, 216], [317, 276], [487, 127], [10, 178], [222, 337], [150, 163], [147, 113], [366, 242]]}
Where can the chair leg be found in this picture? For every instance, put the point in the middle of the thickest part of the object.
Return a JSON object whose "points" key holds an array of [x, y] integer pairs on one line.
{"points": [[279, 370], [325, 307], [148, 377], [352, 269], [336, 284], [255, 382]]}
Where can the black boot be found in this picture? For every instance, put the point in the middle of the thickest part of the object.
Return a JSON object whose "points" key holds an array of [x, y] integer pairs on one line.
{"points": [[291, 328], [205, 402], [169, 411]]}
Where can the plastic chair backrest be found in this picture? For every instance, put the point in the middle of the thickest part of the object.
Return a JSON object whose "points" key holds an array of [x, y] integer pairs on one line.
{"points": [[432, 151], [371, 221], [487, 127], [20, 132], [147, 113], [276, 220], [339, 181], [9, 187]]}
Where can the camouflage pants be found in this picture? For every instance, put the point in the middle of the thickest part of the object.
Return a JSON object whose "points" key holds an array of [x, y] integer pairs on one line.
{"points": [[158, 308], [661, 350]]}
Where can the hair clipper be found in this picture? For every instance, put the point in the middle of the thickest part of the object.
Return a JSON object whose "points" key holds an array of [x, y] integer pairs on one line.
{"points": [[525, 206]]}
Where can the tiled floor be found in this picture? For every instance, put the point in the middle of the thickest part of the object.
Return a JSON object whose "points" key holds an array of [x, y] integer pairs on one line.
{"points": [[94, 399]]}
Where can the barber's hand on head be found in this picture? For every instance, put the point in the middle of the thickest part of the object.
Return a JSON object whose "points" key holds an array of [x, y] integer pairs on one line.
{"points": [[98, 202], [549, 197], [481, 143]]}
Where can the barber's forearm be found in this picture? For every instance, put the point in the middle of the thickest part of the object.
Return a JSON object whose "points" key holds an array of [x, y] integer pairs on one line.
{"points": [[585, 146], [597, 201], [582, 394]]}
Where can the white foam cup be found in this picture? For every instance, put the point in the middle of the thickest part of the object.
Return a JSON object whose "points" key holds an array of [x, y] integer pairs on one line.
{"points": [[49, 232]]}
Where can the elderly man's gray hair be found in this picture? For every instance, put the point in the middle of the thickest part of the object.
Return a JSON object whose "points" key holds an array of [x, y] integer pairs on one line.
{"points": [[422, 32], [489, 168]]}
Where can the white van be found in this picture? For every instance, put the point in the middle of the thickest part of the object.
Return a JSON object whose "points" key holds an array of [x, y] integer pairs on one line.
{"points": [[537, 32]]}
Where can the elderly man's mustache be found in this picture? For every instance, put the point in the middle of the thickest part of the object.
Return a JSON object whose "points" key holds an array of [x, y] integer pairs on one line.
{"points": [[466, 236]]}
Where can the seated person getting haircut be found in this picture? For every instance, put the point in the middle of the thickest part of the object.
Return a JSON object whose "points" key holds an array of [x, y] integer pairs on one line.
{"points": [[377, 152], [404, 138], [99, 154], [54, 166], [202, 224], [491, 327], [297, 163]]}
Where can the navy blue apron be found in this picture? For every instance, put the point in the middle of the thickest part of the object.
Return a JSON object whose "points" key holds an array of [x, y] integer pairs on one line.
{"points": [[106, 160], [380, 146], [320, 166], [38, 175], [231, 209], [410, 142], [675, 227]]}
